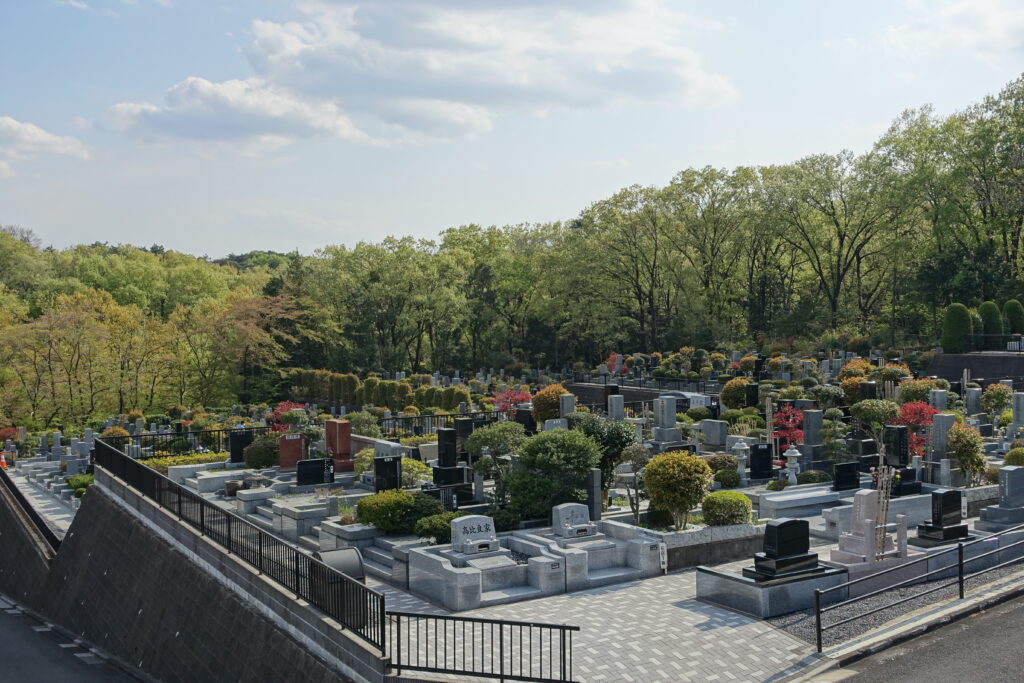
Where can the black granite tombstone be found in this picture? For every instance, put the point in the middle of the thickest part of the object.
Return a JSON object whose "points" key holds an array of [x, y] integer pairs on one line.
{"points": [[238, 439], [450, 476], [463, 428], [945, 525], [957, 387], [847, 476], [986, 430], [525, 417], [758, 366], [318, 471], [868, 390], [761, 461], [447, 447], [907, 484], [786, 546], [897, 445], [387, 473], [610, 390], [752, 392]]}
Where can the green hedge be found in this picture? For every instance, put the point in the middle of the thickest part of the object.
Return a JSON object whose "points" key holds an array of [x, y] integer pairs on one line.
{"points": [[956, 325], [437, 528], [726, 507]]}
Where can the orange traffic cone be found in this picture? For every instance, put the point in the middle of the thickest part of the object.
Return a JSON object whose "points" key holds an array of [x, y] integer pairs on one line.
{"points": [[3, 462]]}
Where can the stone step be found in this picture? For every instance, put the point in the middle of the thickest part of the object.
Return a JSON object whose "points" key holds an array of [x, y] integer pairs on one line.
{"points": [[610, 575], [378, 556], [374, 569], [192, 483], [311, 542], [506, 595], [261, 521], [265, 511]]}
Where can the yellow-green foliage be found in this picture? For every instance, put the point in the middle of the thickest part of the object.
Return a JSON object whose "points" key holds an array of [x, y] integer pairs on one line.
{"points": [[161, 464], [363, 461], [545, 403]]}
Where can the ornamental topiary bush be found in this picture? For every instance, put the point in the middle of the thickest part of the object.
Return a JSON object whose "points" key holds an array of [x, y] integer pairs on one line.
{"points": [[437, 528], [734, 393], [677, 482], [386, 510], [263, 452], [552, 469], [1013, 317], [423, 505], [956, 325], [698, 413], [545, 403], [729, 479], [415, 473], [996, 398], [502, 438], [991, 319], [161, 464], [966, 444], [364, 424], [726, 507], [1014, 457], [363, 461], [722, 461], [777, 484]]}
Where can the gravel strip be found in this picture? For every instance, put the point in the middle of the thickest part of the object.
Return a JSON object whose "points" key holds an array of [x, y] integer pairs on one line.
{"points": [[801, 624]]}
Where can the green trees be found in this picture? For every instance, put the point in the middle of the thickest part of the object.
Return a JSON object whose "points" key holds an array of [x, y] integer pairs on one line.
{"points": [[956, 325], [613, 437], [553, 469], [992, 322]]}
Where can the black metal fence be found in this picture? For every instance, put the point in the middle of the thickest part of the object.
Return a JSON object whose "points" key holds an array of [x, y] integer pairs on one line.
{"points": [[181, 443], [947, 567], [1013, 343], [420, 425], [488, 648], [40, 524], [356, 606]]}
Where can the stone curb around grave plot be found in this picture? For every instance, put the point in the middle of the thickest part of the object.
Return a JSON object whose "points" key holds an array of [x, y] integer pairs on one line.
{"points": [[892, 635]]}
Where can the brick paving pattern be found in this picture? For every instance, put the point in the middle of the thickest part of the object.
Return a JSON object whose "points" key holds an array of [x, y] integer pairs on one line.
{"points": [[650, 630]]}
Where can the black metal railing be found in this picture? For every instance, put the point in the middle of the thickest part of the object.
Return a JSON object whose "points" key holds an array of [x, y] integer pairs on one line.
{"points": [[421, 425], [488, 648], [1013, 343], [184, 442], [943, 571], [354, 605], [37, 521]]}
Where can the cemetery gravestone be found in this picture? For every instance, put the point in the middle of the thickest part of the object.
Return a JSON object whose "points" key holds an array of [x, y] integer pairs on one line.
{"points": [[786, 546], [473, 534], [847, 476], [311, 472], [1010, 510], [292, 448], [572, 520], [761, 461], [945, 525], [897, 444], [387, 473]]}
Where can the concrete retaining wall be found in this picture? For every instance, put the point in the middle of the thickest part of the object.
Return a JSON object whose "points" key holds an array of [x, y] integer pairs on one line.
{"points": [[153, 594]]}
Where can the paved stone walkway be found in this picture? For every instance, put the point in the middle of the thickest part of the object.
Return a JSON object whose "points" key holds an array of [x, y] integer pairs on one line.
{"points": [[57, 514], [650, 630]]}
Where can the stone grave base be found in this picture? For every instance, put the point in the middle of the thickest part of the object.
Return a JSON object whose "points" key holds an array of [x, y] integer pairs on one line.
{"points": [[910, 569], [771, 598]]}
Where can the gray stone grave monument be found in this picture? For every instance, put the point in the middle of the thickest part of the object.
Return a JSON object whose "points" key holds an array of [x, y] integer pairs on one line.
{"points": [[572, 520], [1010, 510]]}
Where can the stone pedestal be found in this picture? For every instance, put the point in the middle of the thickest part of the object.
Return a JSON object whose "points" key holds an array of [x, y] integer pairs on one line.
{"points": [[292, 449]]}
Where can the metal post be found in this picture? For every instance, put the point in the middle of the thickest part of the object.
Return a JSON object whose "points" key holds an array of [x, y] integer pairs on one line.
{"points": [[397, 650], [960, 567], [501, 651], [202, 521], [297, 575], [259, 541], [229, 534], [817, 617], [561, 638]]}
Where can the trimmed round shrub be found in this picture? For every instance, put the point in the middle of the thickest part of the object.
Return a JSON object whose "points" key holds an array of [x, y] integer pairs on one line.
{"points": [[833, 414], [731, 415], [991, 475], [364, 424], [1014, 457], [813, 477], [777, 484], [726, 507], [734, 393], [729, 479], [722, 461], [386, 510], [677, 481], [1013, 317], [502, 438], [115, 431], [437, 528], [552, 469], [991, 318], [698, 413], [996, 398], [545, 403], [263, 452], [956, 325], [414, 473], [827, 396], [423, 505]]}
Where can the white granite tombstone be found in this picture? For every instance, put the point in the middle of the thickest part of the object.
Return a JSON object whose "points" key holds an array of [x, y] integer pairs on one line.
{"points": [[572, 520], [473, 534], [566, 405]]}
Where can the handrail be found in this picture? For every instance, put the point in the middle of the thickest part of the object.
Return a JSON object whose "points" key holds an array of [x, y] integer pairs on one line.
{"points": [[40, 524], [356, 606], [960, 566]]}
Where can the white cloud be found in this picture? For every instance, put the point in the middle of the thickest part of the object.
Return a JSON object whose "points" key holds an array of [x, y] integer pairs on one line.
{"points": [[982, 29], [20, 141], [245, 110], [421, 70], [85, 7]]}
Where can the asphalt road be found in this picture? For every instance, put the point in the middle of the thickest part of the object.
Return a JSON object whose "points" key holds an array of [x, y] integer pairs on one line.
{"points": [[983, 647], [30, 652]]}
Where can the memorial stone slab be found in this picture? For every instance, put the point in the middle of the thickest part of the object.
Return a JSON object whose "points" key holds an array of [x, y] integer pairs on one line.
{"points": [[572, 520], [472, 534], [846, 476]]}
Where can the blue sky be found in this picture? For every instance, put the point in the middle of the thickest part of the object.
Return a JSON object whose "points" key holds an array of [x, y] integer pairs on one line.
{"points": [[215, 127]]}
